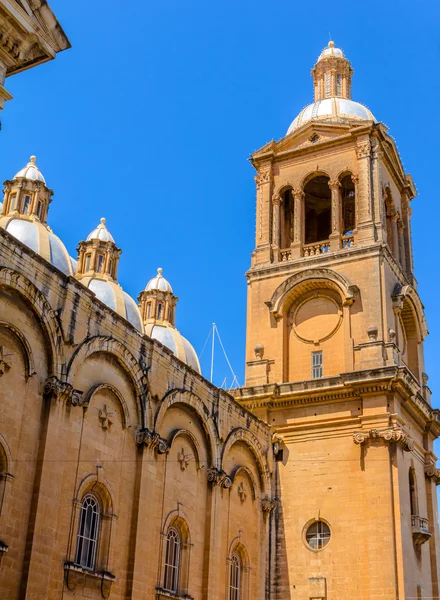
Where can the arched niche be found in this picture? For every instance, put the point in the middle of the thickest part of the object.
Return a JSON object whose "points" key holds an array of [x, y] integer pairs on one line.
{"points": [[256, 451], [99, 387], [192, 405]]}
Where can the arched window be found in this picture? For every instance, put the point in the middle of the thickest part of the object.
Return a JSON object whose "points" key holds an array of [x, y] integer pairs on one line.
{"points": [[26, 205], [287, 219], [172, 561], [348, 205], [413, 492], [317, 210], [235, 570], [88, 532]]}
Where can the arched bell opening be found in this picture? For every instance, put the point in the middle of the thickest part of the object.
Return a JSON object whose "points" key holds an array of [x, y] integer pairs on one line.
{"points": [[318, 209], [348, 205], [287, 215]]}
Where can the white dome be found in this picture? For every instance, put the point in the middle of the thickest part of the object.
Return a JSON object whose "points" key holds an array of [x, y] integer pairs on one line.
{"points": [[101, 233], [41, 240], [159, 283], [31, 171], [112, 294], [331, 51], [332, 110], [174, 341]]}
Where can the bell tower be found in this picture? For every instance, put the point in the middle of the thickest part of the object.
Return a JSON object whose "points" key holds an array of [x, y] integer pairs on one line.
{"points": [[334, 355]]}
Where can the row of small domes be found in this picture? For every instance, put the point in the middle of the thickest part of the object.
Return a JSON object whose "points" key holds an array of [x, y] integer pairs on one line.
{"points": [[40, 238]]}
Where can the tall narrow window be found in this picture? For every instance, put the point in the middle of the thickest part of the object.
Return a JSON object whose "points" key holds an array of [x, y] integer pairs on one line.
{"points": [[316, 364], [148, 310], [172, 561], [318, 210], [327, 85], [26, 205], [413, 492], [88, 530], [287, 220], [235, 578], [348, 205], [13, 204], [100, 263], [339, 85], [87, 263], [159, 311], [39, 209]]}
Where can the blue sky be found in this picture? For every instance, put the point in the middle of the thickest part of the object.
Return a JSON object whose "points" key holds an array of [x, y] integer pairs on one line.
{"points": [[151, 116]]}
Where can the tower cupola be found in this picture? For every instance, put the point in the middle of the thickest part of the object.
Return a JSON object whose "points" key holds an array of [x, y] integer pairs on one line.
{"points": [[98, 255], [332, 74], [157, 302], [26, 195]]}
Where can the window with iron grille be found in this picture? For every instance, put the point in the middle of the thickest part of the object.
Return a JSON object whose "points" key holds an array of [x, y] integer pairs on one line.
{"points": [[316, 364], [235, 578], [88, 530], [318, 535], [172, 561]]}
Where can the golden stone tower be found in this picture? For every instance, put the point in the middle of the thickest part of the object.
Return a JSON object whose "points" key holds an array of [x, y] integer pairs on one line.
{"points": [[335, 332]]}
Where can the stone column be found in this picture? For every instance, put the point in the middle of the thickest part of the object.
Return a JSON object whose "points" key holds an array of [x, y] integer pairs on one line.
{"points": [[355, 180], [262, 242], [298, 223], [335, 235], [365, 225], [377, 203]]}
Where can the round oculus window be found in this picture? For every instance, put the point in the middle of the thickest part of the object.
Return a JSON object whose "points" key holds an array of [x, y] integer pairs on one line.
{"points": [[318, 535]]}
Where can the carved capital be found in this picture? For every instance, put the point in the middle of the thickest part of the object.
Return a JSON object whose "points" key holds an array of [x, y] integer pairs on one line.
{"points": [[54, 389], [268, 504], [219, 477], [263, 177], [276, 200], [433, 473], [390, 436], [152, 440], [355, 179], [298, 193], [363, 149], [334, 184]]}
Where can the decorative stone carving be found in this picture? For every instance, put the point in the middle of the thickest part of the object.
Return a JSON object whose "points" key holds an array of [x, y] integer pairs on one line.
{"points": [[76, 575], [105, 416], [263, 177], [242, 492], [152, 440], [363, 149], [268, 504], [259, 351], [54, 389], [390, 436], [219, 477], [372, 333], [433, 473], [183, 459], [5, 360]]}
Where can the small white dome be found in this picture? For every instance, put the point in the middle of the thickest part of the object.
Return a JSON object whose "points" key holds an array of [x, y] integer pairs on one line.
{"points": [[331, 51], [174, 341], [41, 240], [101, 233], [159, 283], [31, 171], [112, 294], [332, 109]]}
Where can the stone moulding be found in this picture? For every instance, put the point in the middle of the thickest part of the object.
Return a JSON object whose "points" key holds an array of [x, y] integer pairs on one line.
{"points": [[395, 435]]}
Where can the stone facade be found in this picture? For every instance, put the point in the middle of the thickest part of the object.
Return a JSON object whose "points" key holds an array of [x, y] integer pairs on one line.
{"points": [[335, 356], [125, 474]]}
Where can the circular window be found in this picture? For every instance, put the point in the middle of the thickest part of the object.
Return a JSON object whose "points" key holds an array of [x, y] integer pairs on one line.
{"points": [[318, 535]]}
